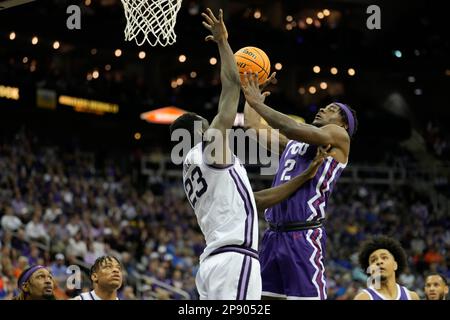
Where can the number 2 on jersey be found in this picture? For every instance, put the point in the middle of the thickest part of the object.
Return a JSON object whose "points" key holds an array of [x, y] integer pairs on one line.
{"points": [[289, 165], [197, 177]]}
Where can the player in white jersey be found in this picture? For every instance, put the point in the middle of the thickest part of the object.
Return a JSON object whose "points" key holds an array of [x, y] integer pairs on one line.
{"points": [[106, 276], [220, 193]]}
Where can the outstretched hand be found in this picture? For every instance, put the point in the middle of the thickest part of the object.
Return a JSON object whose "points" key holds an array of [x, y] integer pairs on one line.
{"points": [[215, 25], [252, 90], [268, 81]]}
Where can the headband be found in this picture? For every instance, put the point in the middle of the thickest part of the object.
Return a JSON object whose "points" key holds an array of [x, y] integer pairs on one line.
{"points": [[350, 118], [28, 274]]}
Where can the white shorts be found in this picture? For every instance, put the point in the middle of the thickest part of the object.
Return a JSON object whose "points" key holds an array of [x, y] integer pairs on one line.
{"points": [[229, 276]]}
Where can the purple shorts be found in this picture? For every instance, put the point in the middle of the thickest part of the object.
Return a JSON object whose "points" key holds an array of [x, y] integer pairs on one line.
{"points": [[292, 264]]}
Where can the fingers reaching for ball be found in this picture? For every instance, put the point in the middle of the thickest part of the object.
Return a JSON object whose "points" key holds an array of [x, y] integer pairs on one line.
{"points": [[251, 79]]}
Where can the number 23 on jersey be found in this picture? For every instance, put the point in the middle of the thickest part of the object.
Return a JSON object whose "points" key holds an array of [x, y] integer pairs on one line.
{"points": [[195, 186]]}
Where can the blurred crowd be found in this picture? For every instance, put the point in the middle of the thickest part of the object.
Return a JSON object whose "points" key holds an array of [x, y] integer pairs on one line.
{"points": [[61, 207], [437, 140]]}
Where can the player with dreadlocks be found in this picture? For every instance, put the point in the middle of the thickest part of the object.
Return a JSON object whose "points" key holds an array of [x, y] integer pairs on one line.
{"points": [[35, 283], [106, 276]]}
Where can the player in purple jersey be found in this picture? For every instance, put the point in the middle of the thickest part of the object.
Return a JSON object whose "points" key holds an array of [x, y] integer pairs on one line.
{"points": [[383, 258], [293, 249]]}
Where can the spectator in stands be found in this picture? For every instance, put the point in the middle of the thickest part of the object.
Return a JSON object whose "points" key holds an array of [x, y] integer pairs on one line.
{"points": [[35, 255], [35, 230], [77, 247], [9, 221], [22, 264], [6, 288], [128, 293], [59, 270], [407, 279]]}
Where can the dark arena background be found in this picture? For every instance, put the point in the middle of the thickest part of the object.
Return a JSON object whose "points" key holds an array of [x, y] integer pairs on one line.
{"points": [[84, 173]]}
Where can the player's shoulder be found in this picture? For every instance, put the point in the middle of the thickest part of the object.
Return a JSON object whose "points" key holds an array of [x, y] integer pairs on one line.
{"points": [[335, 129], [194, 155], [413, 295], [363, 295]]}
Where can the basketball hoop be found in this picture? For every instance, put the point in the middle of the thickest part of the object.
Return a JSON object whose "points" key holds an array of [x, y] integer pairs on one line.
{"points": [[151, 21]]}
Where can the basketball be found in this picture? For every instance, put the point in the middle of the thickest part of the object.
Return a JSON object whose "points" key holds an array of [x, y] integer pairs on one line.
{"points": [[255, 60]]}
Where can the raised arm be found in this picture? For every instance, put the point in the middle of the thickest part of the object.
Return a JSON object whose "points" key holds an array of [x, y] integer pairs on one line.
{"points": [[329, 134], [229, 76], [254, 121], [269, 197]]}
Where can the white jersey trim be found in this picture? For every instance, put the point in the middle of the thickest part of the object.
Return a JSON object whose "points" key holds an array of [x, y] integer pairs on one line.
{"points": [[368, 293], [319, 184], [278, 295], [91, 295], [318, 268], [272, 294], [382, 296]]}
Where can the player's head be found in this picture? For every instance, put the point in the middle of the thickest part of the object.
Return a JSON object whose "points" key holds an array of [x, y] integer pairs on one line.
{"points": [[35, 283], [106, 272], [339, 114], [193, 123], [436, 287], [385, 257]]}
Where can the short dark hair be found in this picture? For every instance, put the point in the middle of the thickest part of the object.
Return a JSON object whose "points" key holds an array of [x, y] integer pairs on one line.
{"points": [[99, 262], [382, 242], [344, 116], [444, 279], [186, 121]]}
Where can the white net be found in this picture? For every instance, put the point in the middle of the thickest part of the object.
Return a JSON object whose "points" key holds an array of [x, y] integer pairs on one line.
{"points": [[151, 21]]}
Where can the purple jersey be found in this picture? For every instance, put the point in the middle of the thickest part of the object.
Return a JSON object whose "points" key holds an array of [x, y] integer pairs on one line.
{"points": [[308, 203], [402, 294]]}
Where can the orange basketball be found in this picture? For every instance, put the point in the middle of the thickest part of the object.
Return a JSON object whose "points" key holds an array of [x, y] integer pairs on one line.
{"points": [[255, 60]]}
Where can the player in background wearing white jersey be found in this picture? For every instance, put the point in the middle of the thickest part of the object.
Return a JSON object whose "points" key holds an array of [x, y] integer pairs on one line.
{"points": [[106, 276], [220, 193], [384, 259]]}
